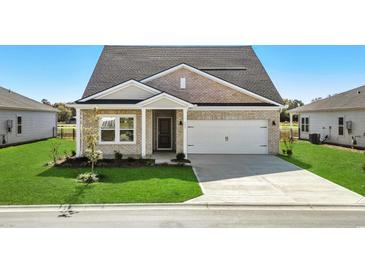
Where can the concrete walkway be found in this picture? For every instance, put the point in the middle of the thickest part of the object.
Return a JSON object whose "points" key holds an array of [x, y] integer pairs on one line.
{"points": [[263, 179]]}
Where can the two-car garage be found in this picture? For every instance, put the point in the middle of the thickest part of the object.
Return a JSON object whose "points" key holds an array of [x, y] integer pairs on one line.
{"points": [[228, 136]]}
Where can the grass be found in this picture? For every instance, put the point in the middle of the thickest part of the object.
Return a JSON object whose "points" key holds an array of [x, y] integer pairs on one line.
{"points": [[286, 125], [340, 166], [25, 180]]}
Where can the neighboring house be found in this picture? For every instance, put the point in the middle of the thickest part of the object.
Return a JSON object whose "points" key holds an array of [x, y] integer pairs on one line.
{"points": [[194, 99], [340, 117], [23, 119]]}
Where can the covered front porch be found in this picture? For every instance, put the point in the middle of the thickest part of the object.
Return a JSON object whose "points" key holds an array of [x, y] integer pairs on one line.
{"points": [[164, 126]]}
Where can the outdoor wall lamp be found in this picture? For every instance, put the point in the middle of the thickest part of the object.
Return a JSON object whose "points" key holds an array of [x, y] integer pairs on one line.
{"points": [[273, 123], [181, 123]]}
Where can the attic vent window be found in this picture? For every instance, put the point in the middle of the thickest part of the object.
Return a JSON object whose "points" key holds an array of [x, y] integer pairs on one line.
{"points": [[182, 83], [358, 92]]}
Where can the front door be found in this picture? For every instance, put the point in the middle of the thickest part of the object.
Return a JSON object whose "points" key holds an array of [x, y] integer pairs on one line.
{"points": [[164, 129]]}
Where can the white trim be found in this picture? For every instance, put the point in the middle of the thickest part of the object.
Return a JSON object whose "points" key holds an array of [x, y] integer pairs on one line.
{"points": [[103, 106], [78, 133], [185, 132], [165, 95], [218, 108], [211, 77], [158, 134], [117, 129], [182, 83], [143, 123], [116, 88]]}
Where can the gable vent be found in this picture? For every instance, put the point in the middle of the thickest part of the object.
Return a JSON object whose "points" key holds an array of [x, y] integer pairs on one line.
{"points": [[182, 82]]}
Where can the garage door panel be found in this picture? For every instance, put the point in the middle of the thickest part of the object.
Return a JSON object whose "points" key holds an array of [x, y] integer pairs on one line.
{"points": [[227, 136]]}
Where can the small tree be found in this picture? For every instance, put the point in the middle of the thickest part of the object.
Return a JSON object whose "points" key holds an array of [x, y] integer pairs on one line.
{"points": [[91, 139], [54, 152]]}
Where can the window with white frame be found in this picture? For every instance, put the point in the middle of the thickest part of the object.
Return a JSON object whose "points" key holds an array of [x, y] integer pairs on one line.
{"points": [[19, 124], [107, 129], [340, 126], [305, 124], [118, 129], [126, 129]]}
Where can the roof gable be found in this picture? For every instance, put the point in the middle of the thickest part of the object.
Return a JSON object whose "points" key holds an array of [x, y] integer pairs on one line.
{"points": [[130, 90], [164, 101], [202, 87], [237, 65]]}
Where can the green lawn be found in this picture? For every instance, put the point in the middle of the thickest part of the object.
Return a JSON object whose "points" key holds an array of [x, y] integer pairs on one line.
{"points": [[340, 166], [25, 180]]}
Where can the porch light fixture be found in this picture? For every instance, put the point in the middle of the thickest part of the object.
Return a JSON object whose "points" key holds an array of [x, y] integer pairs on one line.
{"points": [[180, 123], [273, 123]]}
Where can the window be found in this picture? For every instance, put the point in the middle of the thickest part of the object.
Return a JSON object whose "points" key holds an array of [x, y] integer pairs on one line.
{"points": [[19, 124], [340, 126], [126, 129], [118, 129], [305, 124], [107, 129], [182, 82]]}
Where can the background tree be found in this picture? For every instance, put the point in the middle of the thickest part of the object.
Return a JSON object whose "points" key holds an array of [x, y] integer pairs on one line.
{"points": [[290, 103], [65, 113]]}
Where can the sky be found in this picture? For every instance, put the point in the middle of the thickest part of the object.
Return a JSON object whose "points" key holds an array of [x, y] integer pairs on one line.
{"points": [[61, 73]]}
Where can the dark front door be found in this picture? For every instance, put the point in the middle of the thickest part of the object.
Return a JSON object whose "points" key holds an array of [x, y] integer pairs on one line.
{"points": [[164, 134]]}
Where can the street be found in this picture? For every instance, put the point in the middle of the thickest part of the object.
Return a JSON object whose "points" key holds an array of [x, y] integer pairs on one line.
{"points": [[187, 216]]}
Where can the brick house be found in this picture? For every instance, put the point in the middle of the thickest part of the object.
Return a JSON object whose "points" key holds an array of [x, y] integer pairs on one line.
{"points": [[193, 99]]}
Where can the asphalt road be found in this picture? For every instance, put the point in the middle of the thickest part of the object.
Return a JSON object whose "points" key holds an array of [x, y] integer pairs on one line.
{"points": [[187, 217]]}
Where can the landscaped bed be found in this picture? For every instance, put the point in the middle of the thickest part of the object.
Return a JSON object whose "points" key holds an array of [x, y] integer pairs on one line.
{"points": [[25, 179], [343, 167]]}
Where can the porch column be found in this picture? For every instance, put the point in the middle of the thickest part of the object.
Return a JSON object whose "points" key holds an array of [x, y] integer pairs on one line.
{"points": [[291, 125], [185, 131], [78, 133], [143, 150]]}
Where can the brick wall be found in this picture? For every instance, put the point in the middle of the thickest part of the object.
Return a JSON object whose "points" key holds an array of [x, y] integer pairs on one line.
{"points": [[199, 89], [108, 149]]}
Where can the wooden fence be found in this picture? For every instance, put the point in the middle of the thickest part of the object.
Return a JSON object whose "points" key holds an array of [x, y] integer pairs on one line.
{"points": [[66, 132]]}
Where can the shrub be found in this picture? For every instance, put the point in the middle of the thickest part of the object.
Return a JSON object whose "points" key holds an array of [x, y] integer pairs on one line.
{"points": [[54, 152], [88, 177], [118, 155], [180, 156], [131, 159]]}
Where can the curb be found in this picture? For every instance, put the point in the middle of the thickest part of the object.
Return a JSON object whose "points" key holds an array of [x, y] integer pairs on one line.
{"points": [[178, 206]]}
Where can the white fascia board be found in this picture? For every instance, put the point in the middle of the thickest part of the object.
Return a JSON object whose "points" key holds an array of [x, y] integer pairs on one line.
{"points": [[116, 88], [103, 106], [202, 108], [165, 95], [211, 77]]}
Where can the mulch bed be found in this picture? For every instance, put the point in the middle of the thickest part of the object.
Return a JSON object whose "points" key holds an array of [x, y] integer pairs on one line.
{"points": [[83, 162]]}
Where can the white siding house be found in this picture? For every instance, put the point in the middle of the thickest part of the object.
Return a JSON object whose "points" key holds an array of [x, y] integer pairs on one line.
{"points": [[340, 119], [23, 119]]}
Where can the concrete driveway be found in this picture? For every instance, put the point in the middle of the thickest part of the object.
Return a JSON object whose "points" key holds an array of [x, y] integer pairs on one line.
{"points": [[263, 179]]}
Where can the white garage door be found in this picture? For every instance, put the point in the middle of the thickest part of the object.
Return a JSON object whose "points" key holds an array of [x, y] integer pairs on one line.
{"points": [[228, 136]]}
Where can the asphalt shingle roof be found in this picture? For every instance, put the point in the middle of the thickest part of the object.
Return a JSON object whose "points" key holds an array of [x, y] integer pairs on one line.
{"points": [[238, 65], [12, 100], [352, 99]]}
